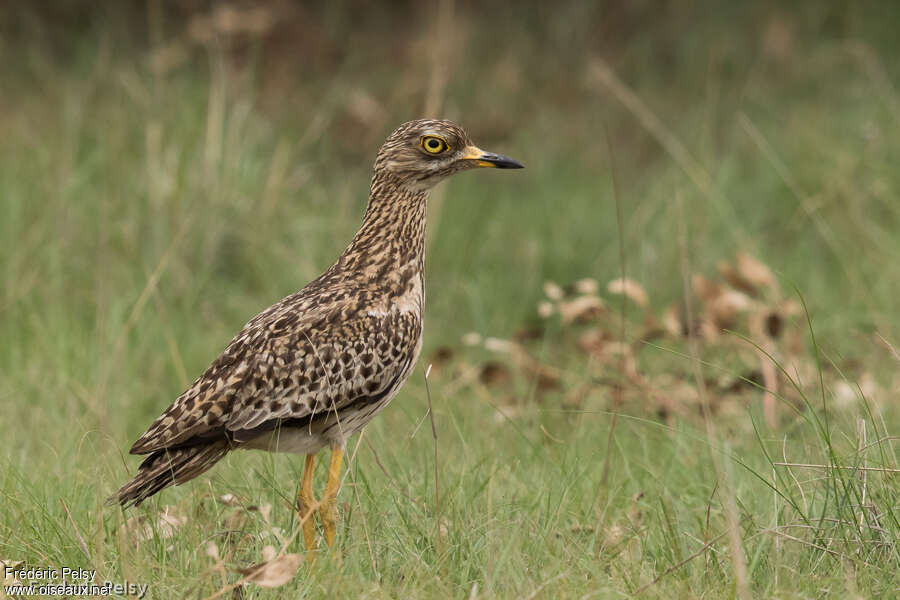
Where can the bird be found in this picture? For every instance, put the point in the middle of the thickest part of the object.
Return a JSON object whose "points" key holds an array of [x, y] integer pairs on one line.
{"points": [[314, 368]]}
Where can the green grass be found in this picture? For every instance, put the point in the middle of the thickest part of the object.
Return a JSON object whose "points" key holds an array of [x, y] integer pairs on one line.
{"points": [[145, 217]]}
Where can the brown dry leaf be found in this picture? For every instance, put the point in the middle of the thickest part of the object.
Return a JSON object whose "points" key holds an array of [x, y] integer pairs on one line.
{"points": [[790, 308], [582, 309], [593, 341], [634, 514], [529, 334], [748, 275], [733, 278], [651, 328], [167, 522], [553, 291], [705, 289], [8, 577], [587, 286], [265, 511], [141, 529], [709, 331], [274, 571], [754, 272], [494, 373], [631, 289], [212, 550], [546, 309], [473, 338], [671, 321], [724, 308], [508, 412], [269, 553], [678, 394], [231, 20], [581, 529], [869, 386], [229, 499], [439, 359], [727, 271], [443, 527], [614, 537], [500, 345], [768, 324], [774, 324], [846, 394], [625, 353], [576, 529], [547, 376]]}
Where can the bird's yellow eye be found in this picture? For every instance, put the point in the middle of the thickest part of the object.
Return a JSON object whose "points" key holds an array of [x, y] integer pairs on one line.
{"points": [[433, 144]]}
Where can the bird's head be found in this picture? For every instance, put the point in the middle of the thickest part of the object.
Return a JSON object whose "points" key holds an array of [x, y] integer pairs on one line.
{"points": [[421, 153]]}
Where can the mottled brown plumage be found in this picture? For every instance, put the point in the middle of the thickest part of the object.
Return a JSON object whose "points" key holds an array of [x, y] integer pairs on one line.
{"points": [[314, 368]]}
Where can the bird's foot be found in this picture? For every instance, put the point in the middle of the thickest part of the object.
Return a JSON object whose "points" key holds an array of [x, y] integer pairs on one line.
{"points": [[306, 514], [306, 509], [328, 513]]}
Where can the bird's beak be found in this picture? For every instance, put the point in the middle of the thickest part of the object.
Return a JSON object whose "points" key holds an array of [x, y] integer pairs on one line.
{"points": [[489, 159]]}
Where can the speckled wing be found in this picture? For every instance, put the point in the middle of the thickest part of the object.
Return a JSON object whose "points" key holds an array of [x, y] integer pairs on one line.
{"points": [[282, 366]]}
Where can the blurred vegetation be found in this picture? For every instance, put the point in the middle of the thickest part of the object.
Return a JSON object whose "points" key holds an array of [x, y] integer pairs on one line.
{"points": [[170, 168]]}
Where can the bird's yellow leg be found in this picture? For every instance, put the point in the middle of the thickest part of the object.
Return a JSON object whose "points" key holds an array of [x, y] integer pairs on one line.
{"points": [[306, 504], [328, 511]]}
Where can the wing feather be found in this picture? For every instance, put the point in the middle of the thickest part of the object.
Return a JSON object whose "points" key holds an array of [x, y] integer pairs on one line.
{"points": [[282, 366]]}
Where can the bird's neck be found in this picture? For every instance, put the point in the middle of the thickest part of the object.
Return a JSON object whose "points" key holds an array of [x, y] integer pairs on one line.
{"points": [[392, 235]]}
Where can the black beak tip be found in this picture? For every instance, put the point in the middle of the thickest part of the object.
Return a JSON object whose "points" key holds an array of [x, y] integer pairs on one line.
{"points": [[502, 162], [512, 164]]}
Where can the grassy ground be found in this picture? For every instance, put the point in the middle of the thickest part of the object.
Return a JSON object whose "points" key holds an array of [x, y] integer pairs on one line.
{"points": [[152, 201]]}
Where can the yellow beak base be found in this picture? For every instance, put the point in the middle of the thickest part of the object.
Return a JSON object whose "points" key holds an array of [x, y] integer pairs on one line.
{"points": [[490, 159]]}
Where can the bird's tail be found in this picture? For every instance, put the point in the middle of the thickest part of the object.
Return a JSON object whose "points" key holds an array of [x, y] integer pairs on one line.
{"points": [[167, 467]]}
